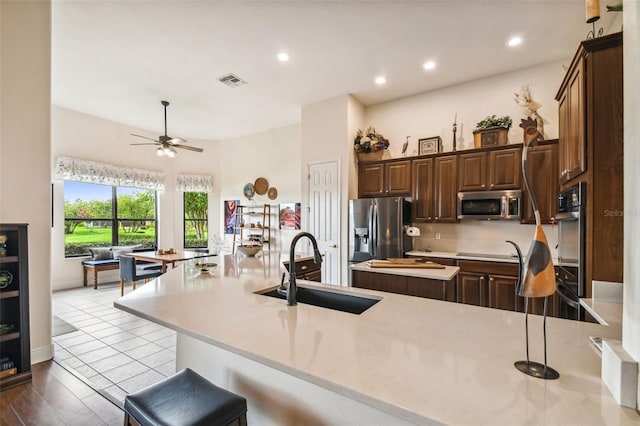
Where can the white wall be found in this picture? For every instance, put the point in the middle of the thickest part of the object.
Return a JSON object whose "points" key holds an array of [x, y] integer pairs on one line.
{"points": [[86, 137], [631, 312], [327, 129], [25, 87], [273, 155], [432, 113]]}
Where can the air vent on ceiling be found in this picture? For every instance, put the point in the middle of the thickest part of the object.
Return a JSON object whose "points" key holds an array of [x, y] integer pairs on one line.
{"points": [[232, 80]]}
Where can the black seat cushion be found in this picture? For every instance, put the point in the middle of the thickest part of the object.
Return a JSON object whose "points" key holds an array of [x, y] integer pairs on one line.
{"points": [[185, 399]]}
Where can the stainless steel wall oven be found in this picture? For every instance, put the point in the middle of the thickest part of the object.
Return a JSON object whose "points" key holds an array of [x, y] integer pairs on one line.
{"points": [[571, 250]]}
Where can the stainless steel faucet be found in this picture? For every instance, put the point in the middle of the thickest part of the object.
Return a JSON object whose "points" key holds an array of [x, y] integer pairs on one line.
{"points": [[292, 288]]}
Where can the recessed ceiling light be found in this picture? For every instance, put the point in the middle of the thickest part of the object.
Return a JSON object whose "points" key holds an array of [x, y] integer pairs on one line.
{"points": [[381, 80], [514, 41], [283, 56], [429, 65]]}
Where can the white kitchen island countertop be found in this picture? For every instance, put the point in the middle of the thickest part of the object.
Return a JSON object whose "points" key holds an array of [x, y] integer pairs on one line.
{"points": [[419, 360], [445, 274]]}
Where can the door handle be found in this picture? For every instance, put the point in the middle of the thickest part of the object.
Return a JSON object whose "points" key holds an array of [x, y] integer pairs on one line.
{"points": [[333, 246]]}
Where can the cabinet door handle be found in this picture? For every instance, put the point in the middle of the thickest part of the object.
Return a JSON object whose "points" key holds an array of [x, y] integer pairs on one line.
{"points": [[483, 186], [304, 267], [491, 186], [491, 280], [429, 218]]}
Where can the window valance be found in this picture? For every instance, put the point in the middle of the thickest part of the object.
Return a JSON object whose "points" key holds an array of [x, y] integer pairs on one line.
{"points": [[194, 183], [107, 174]]}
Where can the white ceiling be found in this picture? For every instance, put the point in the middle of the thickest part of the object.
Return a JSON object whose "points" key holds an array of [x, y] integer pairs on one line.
{"points": [[118, 59]]}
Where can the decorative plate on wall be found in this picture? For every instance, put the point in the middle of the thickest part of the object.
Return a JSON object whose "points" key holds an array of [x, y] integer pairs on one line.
{"points": [[249, 191], [272, 193], [261, 185]]}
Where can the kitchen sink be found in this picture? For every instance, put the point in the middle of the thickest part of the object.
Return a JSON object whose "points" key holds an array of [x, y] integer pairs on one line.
{"points": [[327, 299]]}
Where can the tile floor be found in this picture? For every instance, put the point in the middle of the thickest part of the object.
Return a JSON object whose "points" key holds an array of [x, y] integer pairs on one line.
{"points": [[115, 352]]}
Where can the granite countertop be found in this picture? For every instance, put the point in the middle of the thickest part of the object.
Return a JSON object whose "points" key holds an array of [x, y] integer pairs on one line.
{"points": [[418, 359]]}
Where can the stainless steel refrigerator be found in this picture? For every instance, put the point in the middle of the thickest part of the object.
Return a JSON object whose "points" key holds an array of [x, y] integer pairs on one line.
{"points": [[377, 228]]}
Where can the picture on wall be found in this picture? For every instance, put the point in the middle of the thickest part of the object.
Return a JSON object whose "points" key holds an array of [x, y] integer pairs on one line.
{"points": [[230, 209], [429, 145], [290, 216]]}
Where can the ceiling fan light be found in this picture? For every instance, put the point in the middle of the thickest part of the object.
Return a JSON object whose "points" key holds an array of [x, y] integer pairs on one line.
{"points": [[159, 152], [171, 152]]}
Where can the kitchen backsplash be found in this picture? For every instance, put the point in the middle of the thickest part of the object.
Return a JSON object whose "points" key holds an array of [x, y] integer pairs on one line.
{"points": [[481, 236]]}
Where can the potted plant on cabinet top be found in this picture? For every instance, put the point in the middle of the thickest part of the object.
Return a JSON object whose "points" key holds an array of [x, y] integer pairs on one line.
{"points": [[491, 131], [369, 145]]}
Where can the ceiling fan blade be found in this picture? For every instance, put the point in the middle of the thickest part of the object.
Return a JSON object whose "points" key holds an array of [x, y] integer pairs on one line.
{"points": [[177, 141], [145, 143], [144, 137], [190, 148]]}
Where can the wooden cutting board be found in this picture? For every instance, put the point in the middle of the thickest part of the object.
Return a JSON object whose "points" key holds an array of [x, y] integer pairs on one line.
{"points": [[384, 264]]}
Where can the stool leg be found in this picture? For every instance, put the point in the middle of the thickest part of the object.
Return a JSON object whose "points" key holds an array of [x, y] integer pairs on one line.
{"points": [[129, 420], [121, 287]]}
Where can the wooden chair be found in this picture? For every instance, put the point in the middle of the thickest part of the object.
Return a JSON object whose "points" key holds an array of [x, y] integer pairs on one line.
{"points": [[129, 272]]}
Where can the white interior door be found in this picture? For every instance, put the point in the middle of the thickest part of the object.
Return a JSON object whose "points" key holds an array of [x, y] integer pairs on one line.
{"points": [[324, 216]]}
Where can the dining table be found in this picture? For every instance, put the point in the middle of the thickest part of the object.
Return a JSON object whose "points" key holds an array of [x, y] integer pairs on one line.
{"points": [[168, 258]]}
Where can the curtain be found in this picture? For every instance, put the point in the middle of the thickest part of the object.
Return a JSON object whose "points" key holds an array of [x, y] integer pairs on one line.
{"points": [[194, 183], [107, 174]]}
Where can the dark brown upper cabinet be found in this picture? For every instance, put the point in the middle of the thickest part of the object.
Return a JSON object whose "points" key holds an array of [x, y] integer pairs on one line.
{"points": [[384, 178], [495, 169], [542, 162]]}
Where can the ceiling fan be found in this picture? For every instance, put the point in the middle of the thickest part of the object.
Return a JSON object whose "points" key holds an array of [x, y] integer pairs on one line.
{"points": [[166, 144]]}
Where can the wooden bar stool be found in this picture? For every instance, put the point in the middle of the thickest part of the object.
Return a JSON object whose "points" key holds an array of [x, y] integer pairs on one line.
{"points": [[185, 399]]}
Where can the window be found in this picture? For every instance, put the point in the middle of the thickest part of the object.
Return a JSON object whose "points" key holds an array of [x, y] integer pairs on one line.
{"points": [[103, 216], [196, 214]]}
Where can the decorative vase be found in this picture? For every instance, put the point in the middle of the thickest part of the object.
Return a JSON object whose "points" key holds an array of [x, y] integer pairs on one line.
{"points": [[370, 156]]}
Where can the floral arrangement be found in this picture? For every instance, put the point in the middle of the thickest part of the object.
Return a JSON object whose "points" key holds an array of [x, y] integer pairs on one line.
{"points": [[371, 141], [493, 121]]}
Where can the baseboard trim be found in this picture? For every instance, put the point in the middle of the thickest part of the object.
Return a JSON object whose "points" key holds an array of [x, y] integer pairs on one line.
{"points": [[41, 354]]}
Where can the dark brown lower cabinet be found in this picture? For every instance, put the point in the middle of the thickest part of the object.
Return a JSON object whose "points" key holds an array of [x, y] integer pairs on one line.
{"points": [[489, 284], [502, 293], [536, 305], [472, 288], [411, 286], [432, 289]]}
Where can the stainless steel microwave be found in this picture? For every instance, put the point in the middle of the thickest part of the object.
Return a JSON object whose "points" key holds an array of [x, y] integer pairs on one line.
{"points": [[490, 205]]}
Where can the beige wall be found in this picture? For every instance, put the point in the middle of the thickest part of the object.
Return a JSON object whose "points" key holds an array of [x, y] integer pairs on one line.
{"points": [[631, 313], [86, 137], [274, 155], [326, 136], [25, 69], [432, 113]]}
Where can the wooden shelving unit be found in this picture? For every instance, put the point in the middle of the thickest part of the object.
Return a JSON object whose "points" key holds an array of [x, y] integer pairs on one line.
{"points": [[254, 224], [14, 306]]}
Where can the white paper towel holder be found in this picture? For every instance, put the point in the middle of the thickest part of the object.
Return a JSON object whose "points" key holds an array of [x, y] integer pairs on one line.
{"points": [[412, 231]]}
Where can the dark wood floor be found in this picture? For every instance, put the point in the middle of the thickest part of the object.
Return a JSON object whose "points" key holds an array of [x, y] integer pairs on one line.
{"points": [[56, 397]]}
